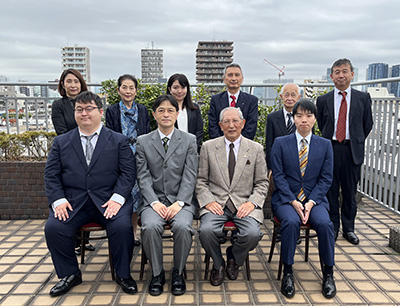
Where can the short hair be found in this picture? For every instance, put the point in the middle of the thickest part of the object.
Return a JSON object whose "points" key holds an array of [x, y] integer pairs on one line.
{"points": [[184, 82], [341, 62], [163, 98], [86, 97], [305, 105], [286, 84], [233, 65], [74, 72], [221, 114], [127, 77]]}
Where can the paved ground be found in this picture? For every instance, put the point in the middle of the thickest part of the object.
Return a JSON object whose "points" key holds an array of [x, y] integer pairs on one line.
{"points": [[367, 274]]}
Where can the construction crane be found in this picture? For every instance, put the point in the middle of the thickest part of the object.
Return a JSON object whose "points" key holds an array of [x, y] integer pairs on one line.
{"points": [[280, 73]]}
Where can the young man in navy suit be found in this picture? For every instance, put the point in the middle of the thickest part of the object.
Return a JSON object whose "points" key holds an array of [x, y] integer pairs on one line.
{"points": [[347, 134], [302, 167], [248, 104], [88, 177]]}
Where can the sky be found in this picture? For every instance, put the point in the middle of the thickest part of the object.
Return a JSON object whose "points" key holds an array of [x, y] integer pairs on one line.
{"points": [[304, 36]]}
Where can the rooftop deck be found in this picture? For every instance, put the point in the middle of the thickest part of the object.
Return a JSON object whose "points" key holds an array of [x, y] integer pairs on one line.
{"points": [[367, 274]]}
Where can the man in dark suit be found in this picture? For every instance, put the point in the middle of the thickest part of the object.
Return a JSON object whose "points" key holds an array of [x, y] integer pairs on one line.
{"points": [[280, 122], [167, 162], [89, 176], [345, 118], [302, 166], [248, 104]]}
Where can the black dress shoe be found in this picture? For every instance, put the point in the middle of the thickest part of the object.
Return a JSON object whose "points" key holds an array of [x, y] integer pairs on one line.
{"points": [[156, 286], [66, 283], [136, 242], [232, 269], [128, 285], [89, 247], [178, 286], [336, 234], [287, 287], [217, 276], [328, 286], [351, 237]]}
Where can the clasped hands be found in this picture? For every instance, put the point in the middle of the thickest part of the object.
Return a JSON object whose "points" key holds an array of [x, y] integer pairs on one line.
{"points": [[303, 211], [167, 213], [61, 211], [244, 210]]}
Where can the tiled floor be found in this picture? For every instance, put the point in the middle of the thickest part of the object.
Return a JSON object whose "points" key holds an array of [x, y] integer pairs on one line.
{"points": [[368, 274]]}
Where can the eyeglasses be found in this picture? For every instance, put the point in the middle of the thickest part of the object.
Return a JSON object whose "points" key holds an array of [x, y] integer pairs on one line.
{"points": [[292, 94], [234, 121], [86, 109]]}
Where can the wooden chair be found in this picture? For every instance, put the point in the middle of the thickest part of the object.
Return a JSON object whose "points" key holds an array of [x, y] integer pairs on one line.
{"points": [[94, 227], [228, 227], [306, 228]]}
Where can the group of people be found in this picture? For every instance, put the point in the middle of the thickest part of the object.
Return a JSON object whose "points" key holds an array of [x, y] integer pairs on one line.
{"points": [[113, 174]]}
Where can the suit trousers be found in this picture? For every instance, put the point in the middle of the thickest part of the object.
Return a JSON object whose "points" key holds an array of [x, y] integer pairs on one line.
{"points": [[211, 230], [61, 243], [290, 227], [346, 175], [151, 233]]}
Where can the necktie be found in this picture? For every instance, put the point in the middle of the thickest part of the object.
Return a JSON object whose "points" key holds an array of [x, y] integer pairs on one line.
{"points": [[231, 169], [290, 125], [341, 123], [303, 158], [233, 102], [89, 148], [165, 143]]}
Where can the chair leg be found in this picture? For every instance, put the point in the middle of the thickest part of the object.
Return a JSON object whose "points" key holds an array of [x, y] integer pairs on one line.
{"points": [[307, 245], [207, 262], [111, 262], [248, 267], [280, 266], [83, 242], [142, 264], [273, 242]]}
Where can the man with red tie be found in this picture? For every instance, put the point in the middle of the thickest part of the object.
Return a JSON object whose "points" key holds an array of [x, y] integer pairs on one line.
{"points": [[233, 97], [345, 117]]}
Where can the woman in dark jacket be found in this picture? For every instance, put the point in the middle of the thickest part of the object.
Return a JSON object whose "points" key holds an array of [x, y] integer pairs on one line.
{"points": [[131, 119], [189, 118], [70, 85]]}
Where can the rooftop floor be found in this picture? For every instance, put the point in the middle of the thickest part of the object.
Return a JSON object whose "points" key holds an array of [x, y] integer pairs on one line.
{"points": [[367, 274]]}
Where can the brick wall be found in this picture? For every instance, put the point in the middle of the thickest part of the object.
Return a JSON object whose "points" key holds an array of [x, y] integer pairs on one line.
{"points": [[22, 194]]}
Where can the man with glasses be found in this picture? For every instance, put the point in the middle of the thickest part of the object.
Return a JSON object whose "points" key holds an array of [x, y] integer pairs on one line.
{"points": [[89, 176]]}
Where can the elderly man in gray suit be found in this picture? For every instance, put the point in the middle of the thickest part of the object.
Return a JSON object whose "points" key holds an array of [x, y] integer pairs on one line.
{"points": [[232, 184], [167, 163]]}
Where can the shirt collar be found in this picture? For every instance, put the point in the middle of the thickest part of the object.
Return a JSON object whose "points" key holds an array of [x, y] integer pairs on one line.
{"points": [[168, 136], [95, 132], [299, 138], [348, 90], [236, 142]]}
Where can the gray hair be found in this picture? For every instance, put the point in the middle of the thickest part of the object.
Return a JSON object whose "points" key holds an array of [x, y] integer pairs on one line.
{"points": [[233, 65], [221, 114], [341, 62], [287, 84]]}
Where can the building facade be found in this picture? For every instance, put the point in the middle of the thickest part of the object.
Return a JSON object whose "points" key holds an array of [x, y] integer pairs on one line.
{"points": [[77, 58], [395, 87], [377, 71], [211, 60], [152, 65]]}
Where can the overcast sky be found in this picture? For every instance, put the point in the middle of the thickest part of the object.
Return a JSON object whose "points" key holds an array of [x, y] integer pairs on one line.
{"points": [[305, 36]]}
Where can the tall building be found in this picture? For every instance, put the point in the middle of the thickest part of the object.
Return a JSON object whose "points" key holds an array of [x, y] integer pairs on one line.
{"points": [[77, 58], [152, 65], [395, 87], [377, 71], [211, 59]]}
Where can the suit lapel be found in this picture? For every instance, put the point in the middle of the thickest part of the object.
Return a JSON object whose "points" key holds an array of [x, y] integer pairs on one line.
{"points": [[77, 146], [100, 145], [173, 143], [223, 100], [281, 122], [156, 143], [354, 100], [313, 149], [241, 101], [241, 161], [294, 152], [330, 99], [222, 162]]}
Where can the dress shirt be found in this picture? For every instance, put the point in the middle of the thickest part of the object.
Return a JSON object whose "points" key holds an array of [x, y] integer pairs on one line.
{"points": [[235, 148], [115, 197], [338, 101], [285, 112], [183, 120], [230, 99]]}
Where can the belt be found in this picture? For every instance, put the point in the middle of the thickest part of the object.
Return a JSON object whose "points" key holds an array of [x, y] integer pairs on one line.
{"points": [[344, 142]]}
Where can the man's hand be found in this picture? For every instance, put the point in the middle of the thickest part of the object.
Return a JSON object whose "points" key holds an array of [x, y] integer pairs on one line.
{"points": [[245, 209], [215, 208], [299, 209], [160, 209], [172, 211], [307, 209], [61, 211], [112, 209]]}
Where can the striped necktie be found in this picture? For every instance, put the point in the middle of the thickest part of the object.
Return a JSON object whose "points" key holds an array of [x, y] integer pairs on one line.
{"points": [[233, 102], [303, 158], [290, 125], [165, 143], [341, 123], [89, 148]]}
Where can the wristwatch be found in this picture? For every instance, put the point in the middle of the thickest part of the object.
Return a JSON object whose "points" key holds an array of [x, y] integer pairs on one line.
{"points": [[181, 203]]}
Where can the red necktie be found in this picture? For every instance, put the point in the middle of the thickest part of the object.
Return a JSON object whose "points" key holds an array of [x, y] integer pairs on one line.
{"points": [[233, 102], [341, 123]]}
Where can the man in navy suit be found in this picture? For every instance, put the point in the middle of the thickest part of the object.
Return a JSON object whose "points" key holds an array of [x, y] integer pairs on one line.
{"points": [[248, 104], [302, 166], [89, 176], [348, 143]]}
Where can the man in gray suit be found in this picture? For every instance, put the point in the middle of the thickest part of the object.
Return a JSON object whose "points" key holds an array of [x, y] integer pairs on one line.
{"points": [[232, 184], [167, 163]]}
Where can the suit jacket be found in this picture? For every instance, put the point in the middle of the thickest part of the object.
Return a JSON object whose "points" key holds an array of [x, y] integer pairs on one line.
{"points": [[112, 170], [62, 115], [113, 119], [167, 177], [286, 170], [249, 182], [247, 103], [195, 124], [360, 120], [276, 127]]}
